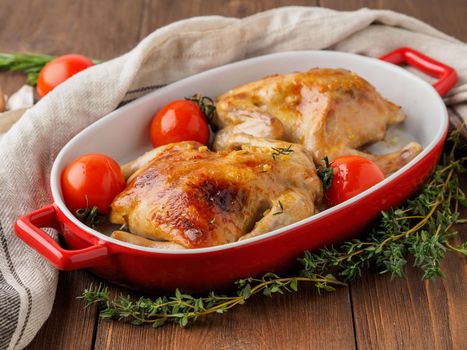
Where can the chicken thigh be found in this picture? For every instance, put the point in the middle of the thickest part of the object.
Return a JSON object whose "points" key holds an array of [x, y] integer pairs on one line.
{"points": [[331, 112], [190, 197]]}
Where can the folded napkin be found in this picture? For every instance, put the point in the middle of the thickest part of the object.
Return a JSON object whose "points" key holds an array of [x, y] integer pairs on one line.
{"points": [[27, 150]]}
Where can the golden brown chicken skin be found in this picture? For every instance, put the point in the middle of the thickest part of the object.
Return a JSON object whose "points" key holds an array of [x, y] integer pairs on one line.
{"points": [[185, 194], [331, 112]]}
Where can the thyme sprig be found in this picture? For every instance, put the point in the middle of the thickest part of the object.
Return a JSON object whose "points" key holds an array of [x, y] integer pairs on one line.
{"points": [[91, 216], [183, 309], [421, 228], [207, 106], [281, 151], [326, 173]]}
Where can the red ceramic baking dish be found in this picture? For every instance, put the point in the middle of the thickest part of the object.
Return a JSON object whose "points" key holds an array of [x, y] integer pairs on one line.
{"points": [[123, 135]]}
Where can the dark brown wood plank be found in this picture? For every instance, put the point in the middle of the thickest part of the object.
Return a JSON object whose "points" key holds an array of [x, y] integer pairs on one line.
{"points": [[162, 12], [447, 16], [10, 82], [100, 29], [70, 326], [411, 314], [297, 321]]}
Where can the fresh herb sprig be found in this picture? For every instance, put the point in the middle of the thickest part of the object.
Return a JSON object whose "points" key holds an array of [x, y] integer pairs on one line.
{"points": [[28, 63], [183, 309], [326, 174], [91, 216], [281, 151], [421, 228], [207, 107]]}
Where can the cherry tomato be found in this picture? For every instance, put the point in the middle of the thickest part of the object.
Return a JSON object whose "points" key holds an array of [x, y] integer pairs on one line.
{"points": [[179, 120], [352, 175], [93, 180], [60, 69]]}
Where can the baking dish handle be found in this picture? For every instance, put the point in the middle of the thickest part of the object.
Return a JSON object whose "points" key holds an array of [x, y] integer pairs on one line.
{"points": [[446, 75], [28, 228]]}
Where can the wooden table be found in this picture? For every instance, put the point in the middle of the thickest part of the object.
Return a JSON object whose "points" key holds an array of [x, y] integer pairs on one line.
{"points": [[373, 312]]}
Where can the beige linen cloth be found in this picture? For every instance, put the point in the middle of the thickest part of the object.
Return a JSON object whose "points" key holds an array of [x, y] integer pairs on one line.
{"points": [[27, 150]]}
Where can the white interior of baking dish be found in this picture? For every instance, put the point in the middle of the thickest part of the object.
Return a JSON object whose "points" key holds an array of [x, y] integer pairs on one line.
{"points": [[124, 133]]}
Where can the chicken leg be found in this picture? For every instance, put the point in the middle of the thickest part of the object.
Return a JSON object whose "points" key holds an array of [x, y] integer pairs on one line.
{"points": [[331, 112], [187, 195]]}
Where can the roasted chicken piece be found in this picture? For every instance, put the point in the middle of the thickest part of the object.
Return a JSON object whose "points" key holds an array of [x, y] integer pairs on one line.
{"points": [[331, 112], [187, 196], [144, 242]]}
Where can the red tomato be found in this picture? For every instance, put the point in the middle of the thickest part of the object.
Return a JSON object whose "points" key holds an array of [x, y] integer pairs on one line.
{"points": [[94, 177], [60, 69], [352, 175], [177, 121]]}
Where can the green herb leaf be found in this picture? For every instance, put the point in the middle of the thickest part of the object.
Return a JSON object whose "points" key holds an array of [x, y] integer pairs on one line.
{"points": [[281, 151], [207, 107], [91, 216], [326, 174]]}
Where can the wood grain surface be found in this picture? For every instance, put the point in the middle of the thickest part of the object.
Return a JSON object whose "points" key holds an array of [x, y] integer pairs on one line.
{"points": [[293, 322], [375, 312]]}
